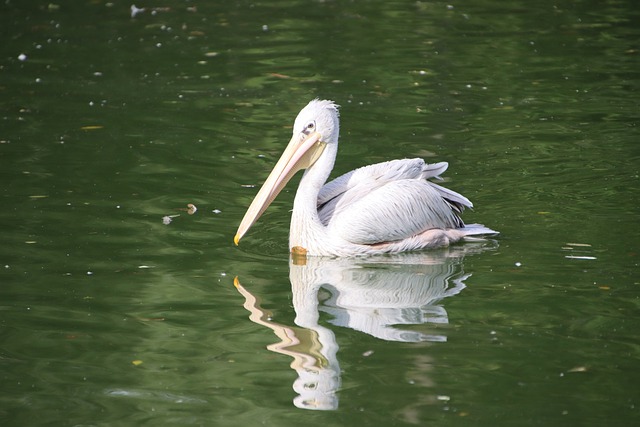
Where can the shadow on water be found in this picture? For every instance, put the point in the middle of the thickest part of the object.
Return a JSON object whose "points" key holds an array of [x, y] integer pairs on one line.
{"points": [[382, 296]]}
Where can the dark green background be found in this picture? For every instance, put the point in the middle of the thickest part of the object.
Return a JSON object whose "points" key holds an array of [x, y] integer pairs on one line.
{"points": [[112, 122]]}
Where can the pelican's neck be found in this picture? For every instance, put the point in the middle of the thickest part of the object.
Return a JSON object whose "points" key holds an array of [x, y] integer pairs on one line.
{"points": [[307, 231]]}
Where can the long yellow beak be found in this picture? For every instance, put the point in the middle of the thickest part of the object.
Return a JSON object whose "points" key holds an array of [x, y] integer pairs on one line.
{"points": [[301, 152]]}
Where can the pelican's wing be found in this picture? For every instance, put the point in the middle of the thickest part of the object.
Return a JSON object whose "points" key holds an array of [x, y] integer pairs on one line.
{"points": [[389, 201], [380, 174], [353, 185]]}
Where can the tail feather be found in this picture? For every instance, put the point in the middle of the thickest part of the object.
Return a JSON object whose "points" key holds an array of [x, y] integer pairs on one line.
{"points": [[434, 170], [476, 230]]}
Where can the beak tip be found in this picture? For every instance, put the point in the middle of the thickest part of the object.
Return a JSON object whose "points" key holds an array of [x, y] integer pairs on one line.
{"points": [[236, 239]]}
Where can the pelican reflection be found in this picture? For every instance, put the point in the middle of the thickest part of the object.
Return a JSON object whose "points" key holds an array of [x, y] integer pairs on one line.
{"points": [[380, 296]]}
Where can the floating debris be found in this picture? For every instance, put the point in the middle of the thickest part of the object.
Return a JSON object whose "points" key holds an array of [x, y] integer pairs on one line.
{"points": [[135, 11], [578, 247], [279, 76], [166, 220], [190, 209]]}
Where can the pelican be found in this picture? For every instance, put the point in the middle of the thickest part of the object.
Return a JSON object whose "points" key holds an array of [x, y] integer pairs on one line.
{"points": [[387, 207]]}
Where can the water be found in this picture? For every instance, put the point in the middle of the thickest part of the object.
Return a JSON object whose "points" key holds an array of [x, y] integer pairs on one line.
{"points": [[110, 123]]}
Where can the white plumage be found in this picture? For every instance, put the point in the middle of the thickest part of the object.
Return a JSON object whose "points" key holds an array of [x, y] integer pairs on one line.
{"points": [[382, 208]]}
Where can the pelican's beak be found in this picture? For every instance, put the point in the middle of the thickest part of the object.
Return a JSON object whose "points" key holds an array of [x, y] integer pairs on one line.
{"points": [[302, 152]]}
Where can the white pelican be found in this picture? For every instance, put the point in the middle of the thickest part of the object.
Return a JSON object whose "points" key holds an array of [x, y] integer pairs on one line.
{"points": [[383, 208]]}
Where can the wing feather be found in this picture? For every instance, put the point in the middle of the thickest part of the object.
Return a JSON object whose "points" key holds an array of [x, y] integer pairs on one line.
{"points": [[379, 173], [389, 201], [348, 188], [395, 211]]}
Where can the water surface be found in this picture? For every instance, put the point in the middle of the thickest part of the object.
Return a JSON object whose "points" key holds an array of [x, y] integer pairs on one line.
{"points": [[108, 316]]}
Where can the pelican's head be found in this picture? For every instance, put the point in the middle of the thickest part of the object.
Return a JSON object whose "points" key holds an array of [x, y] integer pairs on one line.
{"points": [[319, 116], [316, 126]]}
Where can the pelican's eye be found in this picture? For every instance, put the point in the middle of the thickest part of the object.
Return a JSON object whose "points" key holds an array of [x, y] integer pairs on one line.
{"points": [[309, 127]]}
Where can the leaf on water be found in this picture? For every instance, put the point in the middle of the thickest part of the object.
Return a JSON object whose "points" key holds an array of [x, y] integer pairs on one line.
{"points": [[279, 76], [136, 362], [38, 196], [426, 153], [578, 369], [91, 127], [190, 209]]}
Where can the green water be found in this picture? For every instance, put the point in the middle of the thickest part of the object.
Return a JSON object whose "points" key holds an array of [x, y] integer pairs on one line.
{"points": [[110, 123]]}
